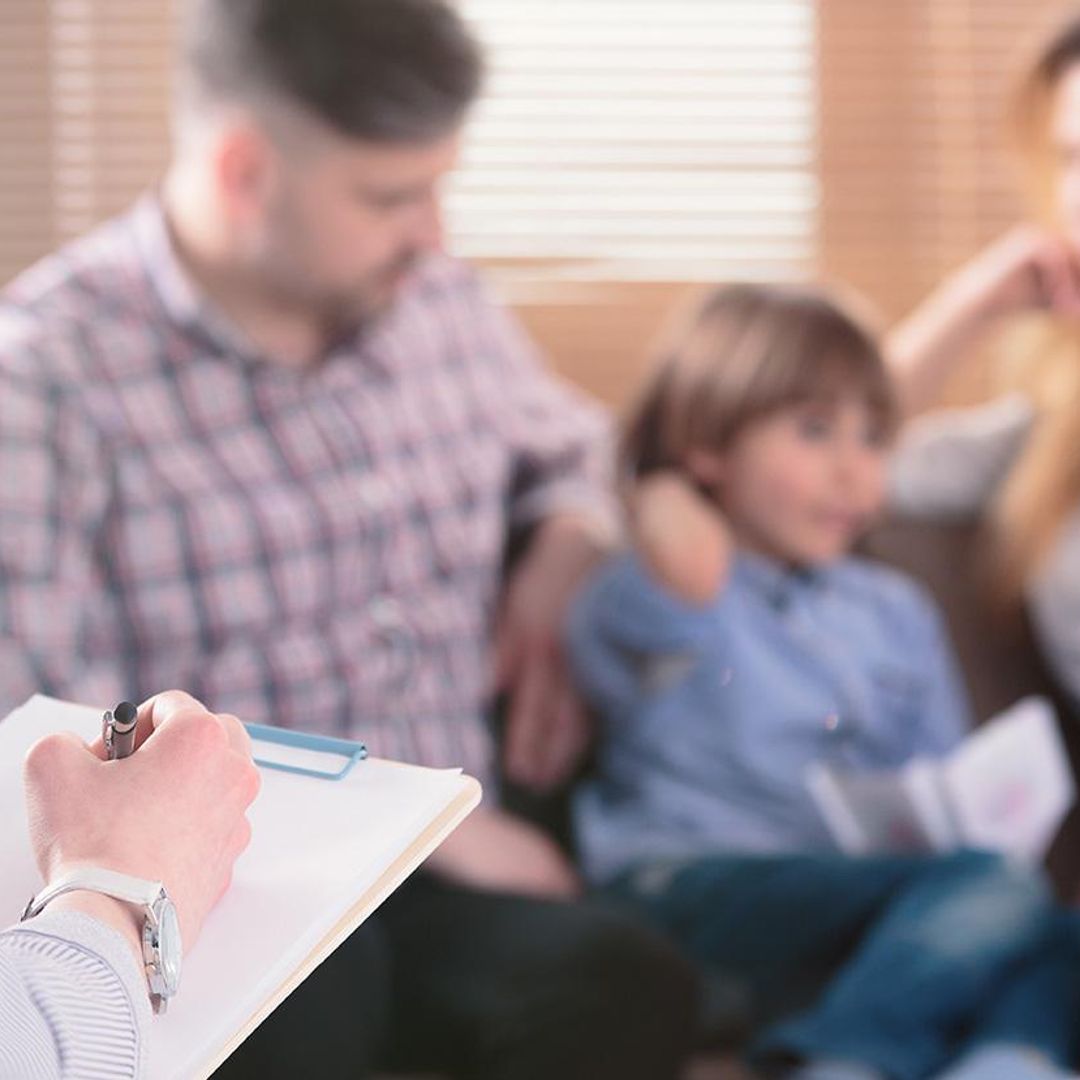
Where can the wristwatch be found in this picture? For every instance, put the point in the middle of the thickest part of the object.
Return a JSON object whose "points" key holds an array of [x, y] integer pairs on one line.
{"points": [[162, 949]]}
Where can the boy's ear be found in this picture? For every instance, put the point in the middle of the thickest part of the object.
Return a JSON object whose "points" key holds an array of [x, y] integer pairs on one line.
{"points": [[707, 467]]}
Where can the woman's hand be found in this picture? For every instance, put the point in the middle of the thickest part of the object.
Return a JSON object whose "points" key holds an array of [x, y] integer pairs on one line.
{"points": [[1026, 270]]}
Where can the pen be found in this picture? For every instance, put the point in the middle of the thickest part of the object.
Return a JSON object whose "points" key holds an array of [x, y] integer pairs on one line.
{"points": [[118, 731]]}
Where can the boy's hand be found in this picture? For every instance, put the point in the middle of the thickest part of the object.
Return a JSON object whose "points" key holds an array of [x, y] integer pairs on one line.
{"points": [[681, 535]]}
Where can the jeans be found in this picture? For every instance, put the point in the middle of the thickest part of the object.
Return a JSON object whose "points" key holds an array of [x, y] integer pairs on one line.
{"points": [[897, 963]]}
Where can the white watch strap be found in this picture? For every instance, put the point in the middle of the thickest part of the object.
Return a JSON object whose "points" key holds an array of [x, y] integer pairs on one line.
{"points": [[124, 887]]}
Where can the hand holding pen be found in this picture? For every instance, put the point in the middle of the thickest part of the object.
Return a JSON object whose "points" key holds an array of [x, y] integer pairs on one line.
{"points": [[182, 795]]}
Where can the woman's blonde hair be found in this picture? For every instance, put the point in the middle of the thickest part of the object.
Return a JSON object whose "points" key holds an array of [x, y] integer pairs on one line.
{"points": [[1043, 487], [746, 351], [1031, 115]]}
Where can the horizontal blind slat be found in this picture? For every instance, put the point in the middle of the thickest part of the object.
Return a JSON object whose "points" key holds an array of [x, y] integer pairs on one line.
{"points": [[642, 134]]}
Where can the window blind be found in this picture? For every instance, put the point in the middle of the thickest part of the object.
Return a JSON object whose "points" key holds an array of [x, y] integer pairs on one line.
{"points": [[83, 115], [638, 141], [635, 139], [914, 163]]}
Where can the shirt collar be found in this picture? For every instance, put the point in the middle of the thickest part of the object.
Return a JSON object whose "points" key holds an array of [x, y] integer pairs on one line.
{"points": [[778, 583], [188, 306], [181, 298]]}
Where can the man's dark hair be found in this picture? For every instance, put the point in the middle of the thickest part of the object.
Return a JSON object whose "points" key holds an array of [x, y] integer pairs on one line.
{"points": [[378, 70]]}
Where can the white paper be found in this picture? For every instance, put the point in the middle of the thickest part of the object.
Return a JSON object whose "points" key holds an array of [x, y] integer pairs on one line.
{"points": [[1006, 788], [317, 846], [931, 805], [868, 812], [1010, 784]]}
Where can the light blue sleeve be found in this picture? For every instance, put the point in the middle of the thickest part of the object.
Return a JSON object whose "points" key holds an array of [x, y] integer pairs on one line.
{"points": [[621, 617]]}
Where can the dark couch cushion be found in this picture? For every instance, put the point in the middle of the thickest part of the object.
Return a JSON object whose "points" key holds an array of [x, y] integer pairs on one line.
{"points": [[997, 651]]}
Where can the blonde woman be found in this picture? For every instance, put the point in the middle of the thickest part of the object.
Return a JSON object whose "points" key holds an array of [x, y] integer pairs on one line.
{"points": [[1015, 461]]}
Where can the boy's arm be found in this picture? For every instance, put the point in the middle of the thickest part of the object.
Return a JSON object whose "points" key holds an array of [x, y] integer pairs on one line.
{"points": [[658, 599], [681, 537]]}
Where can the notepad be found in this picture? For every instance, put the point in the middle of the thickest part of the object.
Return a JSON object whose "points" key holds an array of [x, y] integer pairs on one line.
{"points": [[323, 856]]}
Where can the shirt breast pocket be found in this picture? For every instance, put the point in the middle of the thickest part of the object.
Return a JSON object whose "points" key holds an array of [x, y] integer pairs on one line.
{"points": [[900, 699], [658, 673]]}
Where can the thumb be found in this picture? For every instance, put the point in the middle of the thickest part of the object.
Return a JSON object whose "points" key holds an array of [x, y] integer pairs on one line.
{"points": [[58, 760], [165, 708]]}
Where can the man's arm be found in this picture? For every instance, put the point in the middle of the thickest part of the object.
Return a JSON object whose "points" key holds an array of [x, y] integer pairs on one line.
{"points": [[562, 497], [547, 730]]}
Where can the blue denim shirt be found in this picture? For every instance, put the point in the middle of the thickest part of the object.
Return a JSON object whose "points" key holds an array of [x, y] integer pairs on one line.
{"points": [[712, 714]]}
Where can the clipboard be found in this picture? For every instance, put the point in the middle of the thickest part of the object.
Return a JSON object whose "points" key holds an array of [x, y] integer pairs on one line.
{"points": [[307, 880]]}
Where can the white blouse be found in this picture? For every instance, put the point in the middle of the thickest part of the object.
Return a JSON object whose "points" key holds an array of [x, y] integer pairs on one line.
{"points": [[951, 464]]}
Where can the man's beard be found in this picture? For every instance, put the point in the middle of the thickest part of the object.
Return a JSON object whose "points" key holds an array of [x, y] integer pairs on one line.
{"points": [[343, 309]]}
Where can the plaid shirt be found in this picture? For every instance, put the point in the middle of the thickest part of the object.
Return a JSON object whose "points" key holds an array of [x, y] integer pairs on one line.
{"points": [[319, 550]]}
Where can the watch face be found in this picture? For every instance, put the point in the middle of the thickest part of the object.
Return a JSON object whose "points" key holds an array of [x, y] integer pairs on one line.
{"points": [[170, 950]]}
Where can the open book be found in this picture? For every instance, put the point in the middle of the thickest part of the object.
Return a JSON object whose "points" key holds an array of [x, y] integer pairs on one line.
{"points": [[1007, 788], [323, 855]]}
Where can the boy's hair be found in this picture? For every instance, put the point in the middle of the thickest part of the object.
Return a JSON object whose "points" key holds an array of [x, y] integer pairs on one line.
{"points": [[747, 351], [377, 70]]}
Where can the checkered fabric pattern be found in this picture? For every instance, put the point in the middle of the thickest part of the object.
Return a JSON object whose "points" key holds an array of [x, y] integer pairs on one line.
{"points": [[317, 550]]}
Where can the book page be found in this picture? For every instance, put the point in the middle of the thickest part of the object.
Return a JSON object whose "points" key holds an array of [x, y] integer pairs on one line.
{"points": [[1010, 784], [868, 812], [922, 780]]}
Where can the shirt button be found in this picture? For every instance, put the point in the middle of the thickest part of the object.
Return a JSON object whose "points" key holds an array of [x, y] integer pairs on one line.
{"points": [[832, 722], [389, 616], [371, 496], [395, 632]]}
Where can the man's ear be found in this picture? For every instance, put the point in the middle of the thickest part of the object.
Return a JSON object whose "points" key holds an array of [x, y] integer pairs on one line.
{"points": [[244, 166], [707, 467]]}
